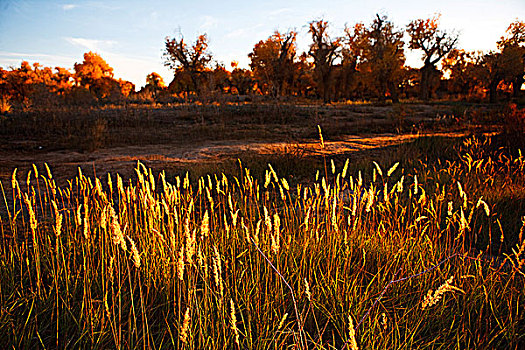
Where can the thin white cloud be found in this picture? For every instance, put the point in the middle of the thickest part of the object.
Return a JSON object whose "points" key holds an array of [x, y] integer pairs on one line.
{"points": [[103, 5], [91, 44], [250, 32], [279, 11], [208, 22], [236, 33], [68, 7], [13, 59]]}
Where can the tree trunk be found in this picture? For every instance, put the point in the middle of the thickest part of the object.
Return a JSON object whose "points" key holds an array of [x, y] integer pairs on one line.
{"points": [[516, 86], [424, 83], [492, 91], [194, 80], [323, 74], [394, 94], [325, 88]]}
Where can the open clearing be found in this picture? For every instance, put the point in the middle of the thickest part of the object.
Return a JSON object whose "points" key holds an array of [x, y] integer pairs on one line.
{"points": [[123, 160], [171, 139]]}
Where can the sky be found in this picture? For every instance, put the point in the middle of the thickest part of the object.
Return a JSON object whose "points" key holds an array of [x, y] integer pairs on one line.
{"points": [[130, 35]]}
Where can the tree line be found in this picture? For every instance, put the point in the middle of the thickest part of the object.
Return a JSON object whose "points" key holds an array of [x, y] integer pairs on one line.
{"points": [[367, 62], [34, 85]]}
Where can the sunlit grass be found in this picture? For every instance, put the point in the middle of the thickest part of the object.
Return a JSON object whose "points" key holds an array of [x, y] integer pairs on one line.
{"points": [[260, 263]]}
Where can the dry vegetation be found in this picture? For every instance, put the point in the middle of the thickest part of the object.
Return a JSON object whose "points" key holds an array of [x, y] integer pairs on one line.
{"points": [[113, 138], [420, 246], [213, 213]]}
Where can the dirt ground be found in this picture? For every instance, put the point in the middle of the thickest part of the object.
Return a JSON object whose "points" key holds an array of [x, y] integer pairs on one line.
{"points": [[123, 160], [204, 137]]}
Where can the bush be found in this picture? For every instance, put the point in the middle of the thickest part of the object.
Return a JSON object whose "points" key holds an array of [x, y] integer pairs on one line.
{"points": [[5, 106], [79, 96], [514, 125]]}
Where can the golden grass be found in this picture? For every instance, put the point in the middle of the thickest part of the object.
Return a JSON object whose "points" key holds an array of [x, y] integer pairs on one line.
{"points": [[242, 262]]}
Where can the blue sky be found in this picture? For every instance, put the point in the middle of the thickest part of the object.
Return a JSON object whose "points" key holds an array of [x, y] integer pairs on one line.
{"points": [[130, 34]]}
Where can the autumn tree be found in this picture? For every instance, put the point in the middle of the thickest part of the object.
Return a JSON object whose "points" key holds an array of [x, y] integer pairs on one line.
{"points": [[496, 71], [492, 72], [95, 75], [4, 87], [155, 80], [241, 80], [45, 89], [154, 83], [192, 60], [38, 86], [324, 51], [125, 88], [512, 47], [409, 82], [181, 83], [34, 83], [272, 62], [435, 43], [218, 79], [383, 57], [20, 82], [504, 70], [353, 44], [62, 80], [302, 82], [463, 69], [346, 73]]}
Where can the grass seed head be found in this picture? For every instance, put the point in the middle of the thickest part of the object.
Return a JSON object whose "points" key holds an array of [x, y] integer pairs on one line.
{"points": [[486, 208], [345, 169], [58, 224], [180, 263], [307, 290], [320, 137], [185, 326], [392, 169], [379, 171], [32, 217], [116, 232], [384, 321], [205, 225], [432, 298], [135, 253], [233, 322], [14, 182], [352, 342], [283, 319]]}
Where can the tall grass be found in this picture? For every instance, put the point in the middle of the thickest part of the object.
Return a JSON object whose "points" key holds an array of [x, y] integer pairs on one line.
{"points": [[243, 262]]}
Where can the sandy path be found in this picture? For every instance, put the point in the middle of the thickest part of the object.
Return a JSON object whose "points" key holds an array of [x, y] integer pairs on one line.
{"points": [[64, 164]]}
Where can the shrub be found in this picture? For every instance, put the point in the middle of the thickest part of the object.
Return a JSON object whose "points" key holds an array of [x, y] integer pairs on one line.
{"points": [[514, 124], [5, 106]]}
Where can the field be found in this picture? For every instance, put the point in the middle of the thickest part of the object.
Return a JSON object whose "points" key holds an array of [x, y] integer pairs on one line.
{"points": [[263, 226]]}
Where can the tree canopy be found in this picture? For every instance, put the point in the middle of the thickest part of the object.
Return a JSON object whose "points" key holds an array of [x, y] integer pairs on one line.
{"points": [[324, 50], [435, 43], [272, 62], [191, 59]]}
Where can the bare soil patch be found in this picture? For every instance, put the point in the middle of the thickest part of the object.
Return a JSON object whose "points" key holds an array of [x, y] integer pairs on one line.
{"points": [[174, 137]]}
